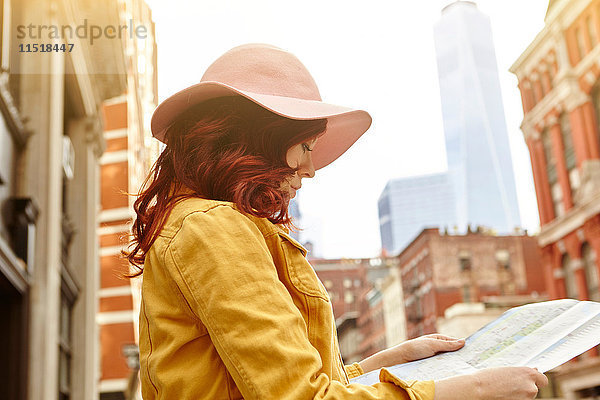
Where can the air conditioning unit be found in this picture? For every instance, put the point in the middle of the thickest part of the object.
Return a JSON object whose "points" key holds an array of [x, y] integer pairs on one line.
{"points": [[68, 157]]}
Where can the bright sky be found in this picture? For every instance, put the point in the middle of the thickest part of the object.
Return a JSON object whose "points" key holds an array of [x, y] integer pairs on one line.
{"points": [[378, 56]]}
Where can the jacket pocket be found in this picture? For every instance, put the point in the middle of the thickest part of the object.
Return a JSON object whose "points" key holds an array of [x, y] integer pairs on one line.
{"points": [[301, 273]]}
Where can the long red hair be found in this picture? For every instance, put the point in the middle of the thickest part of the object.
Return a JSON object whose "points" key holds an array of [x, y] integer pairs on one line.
{"points": [[228, 148]]}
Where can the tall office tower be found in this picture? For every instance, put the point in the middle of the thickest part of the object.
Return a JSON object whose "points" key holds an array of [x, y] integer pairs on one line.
{"points": [[479, 160], [407, 205]]}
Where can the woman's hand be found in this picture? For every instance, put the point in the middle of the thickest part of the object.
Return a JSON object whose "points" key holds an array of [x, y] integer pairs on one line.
{"points": [[411, 350], [424, 346], [504, 383]]}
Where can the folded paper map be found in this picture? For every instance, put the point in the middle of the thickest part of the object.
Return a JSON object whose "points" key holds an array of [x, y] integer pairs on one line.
{"points": [[539, 335]]}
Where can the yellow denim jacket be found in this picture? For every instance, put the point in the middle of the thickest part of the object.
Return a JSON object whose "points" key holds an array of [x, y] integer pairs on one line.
{"points": [[231, 309]]}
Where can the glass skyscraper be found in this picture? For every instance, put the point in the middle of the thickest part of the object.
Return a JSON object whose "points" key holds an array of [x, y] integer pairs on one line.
{"points": [[407, 205], [479, 161], [479, 187]]}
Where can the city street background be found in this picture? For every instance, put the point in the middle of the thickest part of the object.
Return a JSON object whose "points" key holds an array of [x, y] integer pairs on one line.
{"points": [[380, 58]]}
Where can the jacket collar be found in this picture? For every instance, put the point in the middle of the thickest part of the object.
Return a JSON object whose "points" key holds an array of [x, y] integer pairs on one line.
{"points": [[281, 230]]}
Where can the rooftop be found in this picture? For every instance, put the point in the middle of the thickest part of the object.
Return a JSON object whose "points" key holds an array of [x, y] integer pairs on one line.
{"points": [[453, 3]]}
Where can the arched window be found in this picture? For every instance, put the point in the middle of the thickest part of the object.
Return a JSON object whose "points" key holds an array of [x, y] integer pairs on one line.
{"points": [[596, 102], [570, 284], [588, 256], [570, 159], [555, 188]]}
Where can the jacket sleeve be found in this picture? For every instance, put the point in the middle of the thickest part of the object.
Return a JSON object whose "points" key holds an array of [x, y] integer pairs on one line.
{"points": [[353, 370], [221, 263]]}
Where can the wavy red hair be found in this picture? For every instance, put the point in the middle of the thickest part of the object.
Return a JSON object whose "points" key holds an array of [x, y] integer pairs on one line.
{"points": [[228, 148]]}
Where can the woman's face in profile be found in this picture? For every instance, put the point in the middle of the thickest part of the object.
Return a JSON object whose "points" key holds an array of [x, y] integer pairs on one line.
{"points": [[299, 158]]}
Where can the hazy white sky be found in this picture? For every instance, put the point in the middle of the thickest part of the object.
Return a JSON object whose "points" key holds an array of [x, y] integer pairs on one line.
{"points": [[378, 56]]}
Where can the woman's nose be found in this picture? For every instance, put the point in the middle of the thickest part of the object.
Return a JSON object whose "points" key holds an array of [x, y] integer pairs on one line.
{"points": [[307, 168]]}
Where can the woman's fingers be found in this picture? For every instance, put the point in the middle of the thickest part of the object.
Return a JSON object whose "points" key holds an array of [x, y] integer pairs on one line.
{"points": [[440, 337], [514, 382], [540, 379], [447, 344]]}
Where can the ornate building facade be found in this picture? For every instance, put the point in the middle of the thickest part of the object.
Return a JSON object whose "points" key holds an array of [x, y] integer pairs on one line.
{"points": [[51, 143], [559, 80], [127, 160]]}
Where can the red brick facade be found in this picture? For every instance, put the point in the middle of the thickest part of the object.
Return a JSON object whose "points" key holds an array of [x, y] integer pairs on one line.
{"points": [[439, 270], [561, 131], [357, 303], [115, 297], [345, 281], [560, 127]]}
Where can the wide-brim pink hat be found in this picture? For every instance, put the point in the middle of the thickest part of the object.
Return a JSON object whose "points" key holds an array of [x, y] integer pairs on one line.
{"points": [[276, 80]]}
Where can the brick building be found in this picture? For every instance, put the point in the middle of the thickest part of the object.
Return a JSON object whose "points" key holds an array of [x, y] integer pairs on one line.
{"points": [[393, 307], [559, 80], [352, 285], [439, 270], [344, 280], [124, 165], [51, 144], [558, 77], [371, 322]]}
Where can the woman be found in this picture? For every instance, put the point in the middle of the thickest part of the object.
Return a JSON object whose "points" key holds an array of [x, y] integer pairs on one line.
{"points": [[230, 307]]}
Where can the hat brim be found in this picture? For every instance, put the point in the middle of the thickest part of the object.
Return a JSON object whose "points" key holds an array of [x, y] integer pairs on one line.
{"points": [[344, 125]]}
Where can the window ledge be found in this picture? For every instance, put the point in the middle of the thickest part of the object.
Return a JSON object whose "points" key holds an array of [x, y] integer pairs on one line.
{"points": [[13, 268], [11, 112]]}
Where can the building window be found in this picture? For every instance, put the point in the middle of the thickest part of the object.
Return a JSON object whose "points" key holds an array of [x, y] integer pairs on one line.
{"points": [[596, 102], [550, 165], [13, 338], [328, 284], [9, 59], [588, 256], [347, 283], [570, 284], [503, 259], [464, 260], [466, 267], [22, 215], [570, 158], [555, 188], [348, 297], [506, 279], [65, 346], [567, 137]]}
